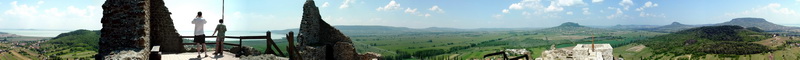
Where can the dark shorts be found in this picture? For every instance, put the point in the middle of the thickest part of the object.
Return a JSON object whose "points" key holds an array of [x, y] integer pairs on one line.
{"points": [[200, 38]]}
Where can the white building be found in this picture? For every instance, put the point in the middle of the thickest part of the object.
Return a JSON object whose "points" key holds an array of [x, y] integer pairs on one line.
{"points": [[580, 52]]}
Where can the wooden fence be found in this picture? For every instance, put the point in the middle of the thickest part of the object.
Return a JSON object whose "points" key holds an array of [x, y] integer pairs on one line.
{"points": [[270, 43]]}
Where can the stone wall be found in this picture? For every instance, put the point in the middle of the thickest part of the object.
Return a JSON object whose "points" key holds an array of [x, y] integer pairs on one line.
{"points": [[321, 41], [125, 30], [162, 29]]}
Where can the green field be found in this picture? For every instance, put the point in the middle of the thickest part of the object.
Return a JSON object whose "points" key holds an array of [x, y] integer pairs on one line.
{"points": [[475, 44]]}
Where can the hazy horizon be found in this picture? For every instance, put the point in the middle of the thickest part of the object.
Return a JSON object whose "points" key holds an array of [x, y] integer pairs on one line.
{"points": [[262, 15]]}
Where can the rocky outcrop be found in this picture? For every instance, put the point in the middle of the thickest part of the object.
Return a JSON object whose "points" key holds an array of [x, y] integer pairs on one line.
{"points": [[162, 31], [321, 41], [370, 56], [248, 51], [264, 57], [130, 27], [125, 32]]}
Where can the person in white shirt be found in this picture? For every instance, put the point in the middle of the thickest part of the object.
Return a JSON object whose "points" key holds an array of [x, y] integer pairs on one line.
{"points": [[199, 38]]}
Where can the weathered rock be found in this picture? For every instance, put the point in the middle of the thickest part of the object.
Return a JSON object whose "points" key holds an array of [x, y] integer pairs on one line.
{"points": [[370, 56], [312, 52], [318, 31], [321, 41], [125, 30], [162, 30], [248, 51], [264, 57], [345, 55]]}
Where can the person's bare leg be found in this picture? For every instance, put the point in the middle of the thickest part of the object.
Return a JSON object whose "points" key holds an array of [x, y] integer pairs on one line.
{"points": [[204, 50], [220, 46], [217, 48], [198, 49]]}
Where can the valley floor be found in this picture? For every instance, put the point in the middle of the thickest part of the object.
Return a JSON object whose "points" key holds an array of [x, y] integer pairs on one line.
{"points": [[787, 53]]}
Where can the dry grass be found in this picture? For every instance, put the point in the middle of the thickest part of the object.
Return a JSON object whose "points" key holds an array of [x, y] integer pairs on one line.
{"points": [[636, 48]]}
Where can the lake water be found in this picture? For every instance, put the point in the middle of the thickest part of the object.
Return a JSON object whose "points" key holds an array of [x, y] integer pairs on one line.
{"points": [[54, 33], [36, 33], [792, 25]]}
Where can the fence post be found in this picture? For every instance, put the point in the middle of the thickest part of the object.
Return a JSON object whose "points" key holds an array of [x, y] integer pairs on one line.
{"points": [[268, 50], [290, 38], [241, 49], [272, 42]]}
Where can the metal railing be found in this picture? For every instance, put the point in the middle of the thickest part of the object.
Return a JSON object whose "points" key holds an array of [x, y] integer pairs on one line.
{"points": [[270, 43]]}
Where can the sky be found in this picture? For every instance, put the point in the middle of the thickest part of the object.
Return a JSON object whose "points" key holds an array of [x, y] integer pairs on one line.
{"points": [[263, 15]]}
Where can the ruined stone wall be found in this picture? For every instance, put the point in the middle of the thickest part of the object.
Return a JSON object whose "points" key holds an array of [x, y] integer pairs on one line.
{"points": [[321, 41], [163, 31], [125, 30]]}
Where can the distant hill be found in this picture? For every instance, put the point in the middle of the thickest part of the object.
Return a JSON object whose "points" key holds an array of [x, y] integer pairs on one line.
{"points": [[78, 41], [570, 24], [726, 39], [372, 29], [358, 29], [442, 29], [571, 27], [674, 27], [633, 27], [757, 22]]}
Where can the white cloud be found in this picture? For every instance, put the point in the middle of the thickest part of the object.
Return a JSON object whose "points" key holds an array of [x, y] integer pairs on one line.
{"points": [[79, 12], [517, 6], [597, 1], [774, 12], [40, 2], [558, 5], [569, 13], [533, 4], [619, 11], [770, 9], [643, 14], [30, 16], [54, 12], [568, 2], [602, 11], [538, 8], [776, 8], [626, 4], [427, 15], [586, 11], [346, 4], [505, 11], [21, 9], [412, 11], [436, 8], [391, 6], [618, 14], [497, 16], [325, 4], [553, 8], [526, 13], [648, 4]]}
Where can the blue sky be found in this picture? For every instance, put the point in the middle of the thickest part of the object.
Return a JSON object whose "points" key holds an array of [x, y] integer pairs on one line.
{"points": [[261, 15]]}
